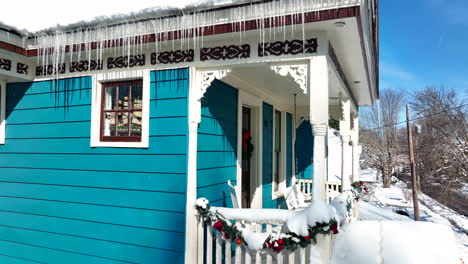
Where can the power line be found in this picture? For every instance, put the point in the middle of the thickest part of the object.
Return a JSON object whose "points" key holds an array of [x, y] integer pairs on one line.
{"points": [[416, 118]]}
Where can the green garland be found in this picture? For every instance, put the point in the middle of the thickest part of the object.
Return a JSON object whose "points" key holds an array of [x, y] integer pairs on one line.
{"points": [[289, 241], [358, 189]]}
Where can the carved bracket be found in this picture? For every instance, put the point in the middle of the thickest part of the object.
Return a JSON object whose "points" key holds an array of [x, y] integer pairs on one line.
{"points": [[298, 72], [205, 78]]}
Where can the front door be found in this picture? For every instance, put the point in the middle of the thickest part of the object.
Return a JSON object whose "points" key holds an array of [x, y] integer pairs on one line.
{"points": [[247, 152]]}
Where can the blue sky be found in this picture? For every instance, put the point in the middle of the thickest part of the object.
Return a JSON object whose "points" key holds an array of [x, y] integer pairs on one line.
{"points": [[423, 42]]}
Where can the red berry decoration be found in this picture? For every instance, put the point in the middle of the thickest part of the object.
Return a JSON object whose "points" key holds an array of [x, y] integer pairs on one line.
{"points": [[218, 226], [365, 189], [334, 229], [226, 236], [280, 242], [238, 241], [307, 237]]}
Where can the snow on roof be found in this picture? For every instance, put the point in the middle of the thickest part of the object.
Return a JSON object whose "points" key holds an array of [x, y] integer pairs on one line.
{"points": [[148, 14]]}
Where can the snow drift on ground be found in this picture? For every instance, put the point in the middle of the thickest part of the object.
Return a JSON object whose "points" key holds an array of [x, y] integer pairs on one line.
{"points": [[395, 242]]}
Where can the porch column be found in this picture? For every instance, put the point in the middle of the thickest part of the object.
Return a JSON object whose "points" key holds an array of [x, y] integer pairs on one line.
{"points": [[345, 138], [355, 161], [191, 218], [355, 145], [318, 103], [318, 96]]}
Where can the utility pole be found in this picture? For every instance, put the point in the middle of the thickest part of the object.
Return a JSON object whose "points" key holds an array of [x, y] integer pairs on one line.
{"points": [[412, 165]]}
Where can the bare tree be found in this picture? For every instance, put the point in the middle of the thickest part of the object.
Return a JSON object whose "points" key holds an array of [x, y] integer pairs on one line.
{"points": [[442, 146], [379, 133]]}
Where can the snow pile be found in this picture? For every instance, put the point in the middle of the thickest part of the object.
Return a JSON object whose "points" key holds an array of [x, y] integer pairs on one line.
{"points": [[391, 196], [368, 211], [255, 240], [369, 175], [395, 242], [341, 203], [456, 219]]}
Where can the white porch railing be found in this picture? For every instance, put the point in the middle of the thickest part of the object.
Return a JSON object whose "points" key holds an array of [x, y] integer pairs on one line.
{"points": [[333, 188], [213, 248]]}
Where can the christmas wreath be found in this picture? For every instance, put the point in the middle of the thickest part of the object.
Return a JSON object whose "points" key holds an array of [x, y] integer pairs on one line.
{"points": [[247, 146]]}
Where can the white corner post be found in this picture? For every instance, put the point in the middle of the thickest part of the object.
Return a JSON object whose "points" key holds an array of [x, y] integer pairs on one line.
{"points": [[193, 121], [200, 80], [318, 99], [345, 132]]}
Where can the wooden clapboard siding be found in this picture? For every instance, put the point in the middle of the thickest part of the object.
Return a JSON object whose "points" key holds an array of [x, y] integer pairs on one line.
{"points": [[62, 201], [217, 144]]}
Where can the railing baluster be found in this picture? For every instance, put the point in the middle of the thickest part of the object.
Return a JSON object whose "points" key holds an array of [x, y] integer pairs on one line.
{"points": [[269, 259], [247, 257], [279, 258], [291, 257], [200, 238], [258, 257], [209, 244], [302, 255], [238, 251], [227, 250], [219, 247]]}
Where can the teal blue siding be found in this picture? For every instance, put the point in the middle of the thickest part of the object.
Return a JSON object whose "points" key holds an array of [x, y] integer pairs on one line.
{"points": [[289, 149], [62, 201], [217, 144], [267, 157], [304, 150]]}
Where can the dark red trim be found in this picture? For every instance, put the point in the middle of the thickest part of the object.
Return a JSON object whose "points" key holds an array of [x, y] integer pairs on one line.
{"points": [[309, 17]]}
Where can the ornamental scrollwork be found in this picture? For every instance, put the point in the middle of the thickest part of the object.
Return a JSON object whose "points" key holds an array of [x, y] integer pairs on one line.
{"points": [[85, 65], [287, 47], [50, 69], [126, 61], [298, 72], [22, 68], [169, 57], [225, 52], [5, 64]]}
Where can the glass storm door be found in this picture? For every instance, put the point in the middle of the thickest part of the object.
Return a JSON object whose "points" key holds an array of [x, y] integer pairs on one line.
{"points": [[247, 152]]}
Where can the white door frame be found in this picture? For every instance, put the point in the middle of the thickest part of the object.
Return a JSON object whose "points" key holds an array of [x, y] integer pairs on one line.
{"points": [[255, 103]]}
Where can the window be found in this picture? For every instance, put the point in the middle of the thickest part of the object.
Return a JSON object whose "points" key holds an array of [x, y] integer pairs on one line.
{"points": [[2, 112], [120, 108], [122, 105]]}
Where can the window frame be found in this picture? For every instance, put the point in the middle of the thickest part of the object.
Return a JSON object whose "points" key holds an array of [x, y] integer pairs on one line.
{"points": [[2, 111], [96, 107], [115, 84]]}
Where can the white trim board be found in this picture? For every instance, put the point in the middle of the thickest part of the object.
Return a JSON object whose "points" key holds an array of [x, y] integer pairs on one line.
{"points": [[96, 107], [2, 111]]}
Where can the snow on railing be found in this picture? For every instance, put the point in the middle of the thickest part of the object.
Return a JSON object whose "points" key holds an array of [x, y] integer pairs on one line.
{"points": [[228, 235]]}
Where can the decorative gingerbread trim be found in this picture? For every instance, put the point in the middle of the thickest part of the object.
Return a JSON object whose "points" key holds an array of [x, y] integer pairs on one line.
{"points": [[125, 61], [298, 72], [169, 57], [85, 65], [205, 78], [225, 52], [5, 64], [22, 68], [288, 47]]}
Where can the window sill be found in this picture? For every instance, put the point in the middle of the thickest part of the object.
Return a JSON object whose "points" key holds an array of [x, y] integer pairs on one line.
{"points": [[120, 144]]}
